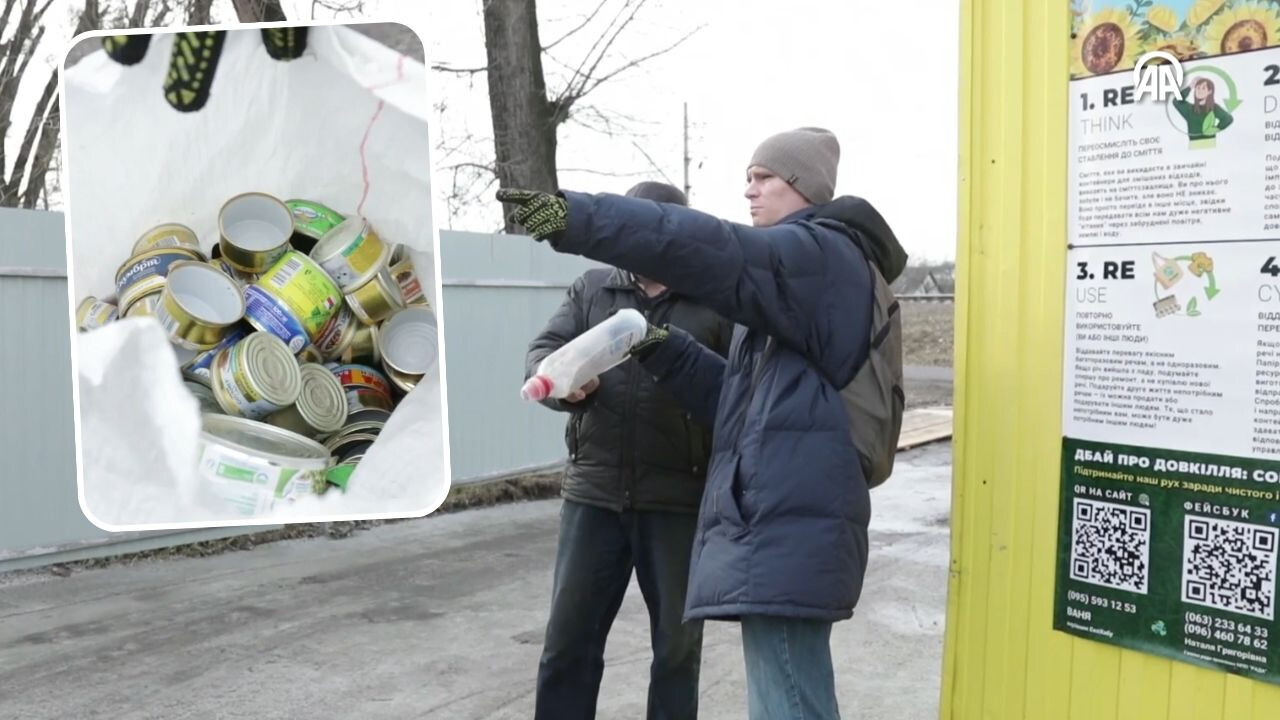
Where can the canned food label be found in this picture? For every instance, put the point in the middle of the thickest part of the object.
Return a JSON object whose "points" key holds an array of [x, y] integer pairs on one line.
{"points": [[270, 315], [167, 320], [148, 267], [354, 375], [355, 260], [98, 315], [168, 241], [410, 287], [247, 484], [294, 484], [313, 219], [362, 398], [306, 290], [239, 387], [330, 338], [198, 368]]}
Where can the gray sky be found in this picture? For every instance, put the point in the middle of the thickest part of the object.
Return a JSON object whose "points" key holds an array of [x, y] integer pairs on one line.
{"points": [[882, 76]]}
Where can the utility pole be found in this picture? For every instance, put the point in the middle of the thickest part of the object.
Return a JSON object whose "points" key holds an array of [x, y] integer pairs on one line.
{"points": [[686, 150]]}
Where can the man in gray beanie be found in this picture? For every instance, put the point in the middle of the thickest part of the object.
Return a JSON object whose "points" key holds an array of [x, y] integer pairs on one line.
{"points": [[781, 543]]}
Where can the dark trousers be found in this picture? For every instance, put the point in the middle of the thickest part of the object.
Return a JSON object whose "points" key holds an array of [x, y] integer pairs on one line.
{"points": [[598, 549]]}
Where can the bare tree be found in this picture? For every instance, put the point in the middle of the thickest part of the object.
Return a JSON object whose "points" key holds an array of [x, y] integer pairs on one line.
{"points": [[248, 11], [526, 113], [25, 182]]}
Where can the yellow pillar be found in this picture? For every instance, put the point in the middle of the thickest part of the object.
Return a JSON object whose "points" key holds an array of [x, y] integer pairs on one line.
{"points": [[1003, 660]]}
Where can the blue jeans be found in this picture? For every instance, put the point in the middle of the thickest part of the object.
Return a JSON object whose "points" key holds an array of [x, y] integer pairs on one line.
{"points": [[789, 673], [598, 549]]}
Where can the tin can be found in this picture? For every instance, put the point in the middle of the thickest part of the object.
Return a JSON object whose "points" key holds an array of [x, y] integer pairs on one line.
{"points": [[144, 306], [321, 407], [406, 276], [311, 218], [376, 299], [370, 427], [93, 313], [351, 253], [198, 305], [310, 355], [404, 382], [197, 369], [363, 347], [337, 334], [167, 235], [365, 387], [255, 377], [345, 446], [254, 230], [293, 300], [252, 465], [144, 274], [407, 341], [227, 269]]}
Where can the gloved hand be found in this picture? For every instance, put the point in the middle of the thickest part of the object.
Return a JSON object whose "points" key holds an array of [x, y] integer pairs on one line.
{"points": [[544, 215], [650, 342]]}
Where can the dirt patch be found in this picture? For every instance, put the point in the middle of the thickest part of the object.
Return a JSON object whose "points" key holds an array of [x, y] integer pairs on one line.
{"points": [[928, 333]]}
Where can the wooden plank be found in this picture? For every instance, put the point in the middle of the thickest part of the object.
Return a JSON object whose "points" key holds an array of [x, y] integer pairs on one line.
{"points": [[920, 427]]}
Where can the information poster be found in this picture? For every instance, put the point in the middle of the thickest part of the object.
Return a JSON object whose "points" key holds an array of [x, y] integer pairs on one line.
{"points": [[1170, 508]]}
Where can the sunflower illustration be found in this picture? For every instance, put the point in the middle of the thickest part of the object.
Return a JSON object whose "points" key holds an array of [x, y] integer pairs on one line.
{"points": [[1181, 46], [1108, 41], [1244, 27], [1202, 10], [1163, 18]]}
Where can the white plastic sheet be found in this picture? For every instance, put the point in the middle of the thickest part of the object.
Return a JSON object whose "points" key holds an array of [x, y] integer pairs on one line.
{"points": [[344, 125]]}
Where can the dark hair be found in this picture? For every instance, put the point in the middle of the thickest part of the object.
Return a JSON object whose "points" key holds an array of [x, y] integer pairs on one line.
{"points": [[658, 192]]}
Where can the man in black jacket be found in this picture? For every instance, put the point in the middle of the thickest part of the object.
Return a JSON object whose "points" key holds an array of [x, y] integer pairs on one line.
{"points": [[637, 466]]}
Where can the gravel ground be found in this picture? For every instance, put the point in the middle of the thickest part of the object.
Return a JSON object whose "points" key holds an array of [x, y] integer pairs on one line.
{"points": [[928, 330]]}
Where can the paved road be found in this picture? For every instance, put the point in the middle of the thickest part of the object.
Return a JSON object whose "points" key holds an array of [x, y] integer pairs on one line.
{"points": [[437, 618]]}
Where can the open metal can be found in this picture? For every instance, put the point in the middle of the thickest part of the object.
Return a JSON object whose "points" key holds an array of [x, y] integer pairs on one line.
{"points": [[254, 230], [321, 407], [198, 305], [256, 377], [344, 446], [144, 274], [293, 300], [252, 465], [168, 235], [351, 253], [93, 313], [407, 341], [404, 382], [376, 299]]}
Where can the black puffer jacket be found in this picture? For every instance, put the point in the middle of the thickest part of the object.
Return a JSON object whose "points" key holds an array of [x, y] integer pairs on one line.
{"points": [[630, 443]]}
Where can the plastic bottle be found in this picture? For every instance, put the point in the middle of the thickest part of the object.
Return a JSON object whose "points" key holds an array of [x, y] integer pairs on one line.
{"points": [[586, 356]]}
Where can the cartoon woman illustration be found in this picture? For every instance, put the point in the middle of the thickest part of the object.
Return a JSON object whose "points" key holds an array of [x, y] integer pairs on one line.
{"points": [[1204, 117]]}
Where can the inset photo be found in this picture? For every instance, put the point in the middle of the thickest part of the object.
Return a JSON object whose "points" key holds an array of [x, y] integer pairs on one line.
{"points": [[253, 280]]}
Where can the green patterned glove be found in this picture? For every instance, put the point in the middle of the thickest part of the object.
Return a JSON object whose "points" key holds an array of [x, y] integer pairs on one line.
{"points": [[544, 215], [650, 342]]}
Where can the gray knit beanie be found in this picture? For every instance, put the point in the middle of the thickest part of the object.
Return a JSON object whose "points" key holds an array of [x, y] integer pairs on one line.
{"points": [[806, 158]]}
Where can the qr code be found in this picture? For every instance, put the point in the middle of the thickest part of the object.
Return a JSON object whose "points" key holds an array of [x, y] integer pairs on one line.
{"points": [[1111, 545], [1230, 566]]}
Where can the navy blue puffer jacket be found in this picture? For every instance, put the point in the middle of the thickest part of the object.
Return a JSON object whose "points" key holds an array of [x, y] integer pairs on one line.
{"points": [[782, 527]]}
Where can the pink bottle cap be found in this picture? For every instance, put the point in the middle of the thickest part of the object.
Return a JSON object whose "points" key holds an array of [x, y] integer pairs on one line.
{"points": [[536, 388]]}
